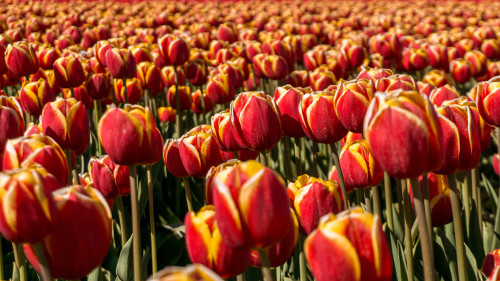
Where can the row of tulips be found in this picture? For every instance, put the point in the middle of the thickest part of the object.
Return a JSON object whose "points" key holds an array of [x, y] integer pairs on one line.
{"points": [[351, 94]]}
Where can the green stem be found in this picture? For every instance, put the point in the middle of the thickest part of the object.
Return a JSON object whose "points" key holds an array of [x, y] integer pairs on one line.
{"points": [[154, 259], [125, 90], [425, 240], [389, 206], [477, 198], [20, 260], [263, 158], [302, 259], [178, 117], [189, 200], [121, 219], [72, 92], [97, 109], [288, 166], [427, 204], [240, 277], [315, 159], [376, 202], [457, 223], [72, 170], [340, 175], [466, 200], [298, 160], [264, 260], [42, 262], [203, 117], [136, 228], [368, 201], [408, 239]]}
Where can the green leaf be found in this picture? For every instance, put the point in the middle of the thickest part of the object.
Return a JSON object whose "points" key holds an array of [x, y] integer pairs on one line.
{"points": [[475, 239], [95, 275], [472, 270], [491, 191], [124, 267]]}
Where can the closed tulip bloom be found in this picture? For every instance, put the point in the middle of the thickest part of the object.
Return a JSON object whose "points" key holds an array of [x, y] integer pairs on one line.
{"points": [[205, 245], [120, 63], [320, 79], [359, 168], [442, 94], [185, 98], [149, 75], [11, 119], [80, 94], [172, 158], [274, 67], [436, 77], [199, 151], [38, 149], [374, 74], [280, 252], [491, 265], [288, 99], [439, 196], [192, 272], [47, 57], [27, 209], [491, 48], [69, 72], [197, 72], [34, 96], [110, 179], [313, 198], [227, 32], [166, 114], [349, 246], [21, 59], [350, 137], [67, 122], [438, 56], [396, 82], [141, 53], [224, 132], [314, 58], [211, 174], [221, 89], [168, 76], [319, 119], [197, 106], [251, 206], [355, 54], [425, 88], [98, 86], [256, 120], [351, 102], [483, 128], [415, 59], [403, 132], [488, 100], [298, 78], [478, 62], [461, 70], [130, 136], [67, 247], [233, 71], [101, 49], [173, 49], [134, 90]]}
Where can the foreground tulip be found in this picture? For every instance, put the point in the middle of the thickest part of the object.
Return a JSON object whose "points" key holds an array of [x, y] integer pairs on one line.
{"points": [[256, 120], [488, 101], [34, 96], [287, 99], [67, 122], [349, 246], [211, 174], [39, 149], [130, 136], [224, 132], [351, 102], [403, 132], [28, 211], [313, 198], [193, 272], [251, 206], [205, 245], [69, 72], [21, 59], [11, 119], [66, 248], [110, 179]]}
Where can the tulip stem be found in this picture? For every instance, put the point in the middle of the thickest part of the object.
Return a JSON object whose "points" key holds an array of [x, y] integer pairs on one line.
{"points": [[121, 218], [240, 277], [302, 259], [42, 262], [189, 200], [425, 240], [125, 90], [298, 160], [340, 174], [97, 110], [457, 223], [368, 201], [72, 170], [376, 202], [72, 92], [154, 260], [266, 264], [178, 117], [1, 260], [314, 171], [466, 200], [263, 158], [477, 190], [20, 260], [136, 230], [288, 168], [203, 111], [407, 227], [427, 205], [389, 206]]}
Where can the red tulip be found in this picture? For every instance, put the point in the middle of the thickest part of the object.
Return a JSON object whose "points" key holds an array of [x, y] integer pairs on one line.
{"points": [[21, 59], [69, 72], [442, 94], [110, 179], [351, 102], [134, 90], [173, 49], [166, 114], [11, 119], [288, 99], [121, 64], [221, 89], [488, 100]]}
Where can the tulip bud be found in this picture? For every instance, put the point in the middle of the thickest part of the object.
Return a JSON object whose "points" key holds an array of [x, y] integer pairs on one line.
{"points": [[141, 53], [415, 59], [351, 102], [333, 250], [491, 48], [173, 49], [172, 159], [355, 54], [227, 32], [101, 49], [425, 88], [11, 119], [287, 99], [224, 132], [34, 96], [314, 58], [274, 67], [66, 248], [197, 105], [233, 71], [406, 122], [197, 72], [438, 56], [130, 136], [251, 206], [320, 79], [262, 133], [47, 57], [442, 94], [67, 122], [69, 72], [396, 82], [437, 78], [461, 70], [193, 272], [149, 75], [491, 265], [211, 174], [39, 149], [98, 86], [185, 98], [221, 89], [313, 198], [166, 114], [477, 61], [205, 245], [298, 78], [110, 179], [121, 64], [374, 74], [27, 209], [487, 102], [134, 90], [21, 59]]}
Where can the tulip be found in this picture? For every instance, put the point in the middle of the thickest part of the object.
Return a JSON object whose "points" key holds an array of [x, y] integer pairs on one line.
{"points": [[67, 122], [491, 265], [274, 67], [69, 72], [98, 86], [149, 75], [173, 49], [442, 94], [172, 159], [196, 72], [101, 49], [130, 136], [80, 93], [396, 82], [251, 206], [166, 114], [205, 245], [287, 99], [202, 103], [350, 137], [374, 74], [487, 102], [313, 198], [333, 250], [425, 88], [314, 58], [185, 98], [408, 124], [491, 48], [211, 174], [354, 53], [461, 70], [193, 272], [477, 61], [120, 63], [11, 119], [21, 59], [224, 132], [132, 93], [256, 120], [227, 32], [351, 102], [438, 56], [110, 179], [168, 76], [437, 78], [30, 188], [221, 89], [141, 53], [66, 248], [415, 59], [233, 71], [298, 78], [320, 79], [47, 57]]}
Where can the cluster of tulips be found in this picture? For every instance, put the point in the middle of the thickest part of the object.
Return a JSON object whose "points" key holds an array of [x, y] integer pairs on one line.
{"points": [[280, 121]]}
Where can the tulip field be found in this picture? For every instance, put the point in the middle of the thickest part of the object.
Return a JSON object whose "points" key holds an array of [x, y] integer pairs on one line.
{"points": [[249, 140]]}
